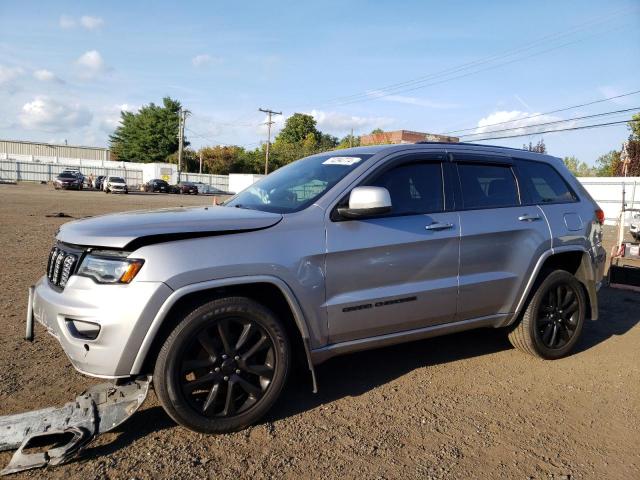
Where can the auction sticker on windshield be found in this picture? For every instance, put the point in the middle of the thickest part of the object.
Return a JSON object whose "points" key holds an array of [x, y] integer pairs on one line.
{"points": [[341, 161]]}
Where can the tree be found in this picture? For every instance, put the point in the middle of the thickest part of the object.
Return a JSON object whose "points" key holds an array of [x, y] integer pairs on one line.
{"points": [[539, 147], [297, 127], [150, 135], [634, 126], [190, 160], [578, 168], [609, 164], [376, 131], [349, 141]]}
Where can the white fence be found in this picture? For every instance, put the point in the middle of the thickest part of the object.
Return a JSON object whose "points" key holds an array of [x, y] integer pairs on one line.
{"points": [[607, 191], [216, 183], [46, 172]]}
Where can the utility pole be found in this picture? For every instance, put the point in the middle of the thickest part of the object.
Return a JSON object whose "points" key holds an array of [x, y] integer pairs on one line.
{"points": [[200, 160], [351, 138], [269, 123], [183, 117]]}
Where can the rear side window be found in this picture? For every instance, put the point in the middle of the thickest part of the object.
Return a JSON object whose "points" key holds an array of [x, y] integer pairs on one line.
{"points": [[544, 183], [415, 188], [487, 186]]}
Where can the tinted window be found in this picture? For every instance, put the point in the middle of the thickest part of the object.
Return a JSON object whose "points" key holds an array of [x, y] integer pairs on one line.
{"points": [[487, 186], [544, 184], [414, 188]]}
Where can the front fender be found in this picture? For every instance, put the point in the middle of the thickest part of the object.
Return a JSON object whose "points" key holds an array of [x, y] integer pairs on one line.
{"points": [[224, 282]]}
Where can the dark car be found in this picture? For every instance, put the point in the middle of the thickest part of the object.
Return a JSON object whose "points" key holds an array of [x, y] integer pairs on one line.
{"points": [[97, 182], [68, 180], [187, 188], [156, 185]]}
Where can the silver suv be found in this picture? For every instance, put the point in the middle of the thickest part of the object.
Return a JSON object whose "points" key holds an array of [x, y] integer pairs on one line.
{"points": [[335, 253]]}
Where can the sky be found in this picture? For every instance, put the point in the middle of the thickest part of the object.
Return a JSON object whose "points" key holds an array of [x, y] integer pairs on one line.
{"points": [[67, 68]]}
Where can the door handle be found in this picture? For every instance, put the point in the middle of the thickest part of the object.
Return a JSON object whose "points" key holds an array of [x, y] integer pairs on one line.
{"points": [[439, 226], [528, 218]]}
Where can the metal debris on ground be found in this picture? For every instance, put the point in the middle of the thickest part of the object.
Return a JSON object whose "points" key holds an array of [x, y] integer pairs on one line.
{"points": [[98, 410]]}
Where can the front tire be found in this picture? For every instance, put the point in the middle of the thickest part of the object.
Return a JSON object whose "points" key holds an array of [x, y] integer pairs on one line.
{"points": [[553, 319], [223, 367]]}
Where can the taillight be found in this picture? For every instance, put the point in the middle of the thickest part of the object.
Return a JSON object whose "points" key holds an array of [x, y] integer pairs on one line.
{"points": [[600, 216]]}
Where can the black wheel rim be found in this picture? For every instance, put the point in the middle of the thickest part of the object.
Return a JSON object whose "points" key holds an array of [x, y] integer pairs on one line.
{"points": [[558, 316], [227, 367]]}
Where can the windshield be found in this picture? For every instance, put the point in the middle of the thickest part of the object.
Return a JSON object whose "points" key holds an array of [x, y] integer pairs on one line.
{"points": [[297, 185], [66, 175], [116, 180]]}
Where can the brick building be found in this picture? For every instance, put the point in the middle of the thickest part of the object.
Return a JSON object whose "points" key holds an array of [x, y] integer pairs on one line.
{"points": [[404, 136]]}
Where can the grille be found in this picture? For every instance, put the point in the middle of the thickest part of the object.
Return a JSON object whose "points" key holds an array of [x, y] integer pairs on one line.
{"points": [[61, 266]]}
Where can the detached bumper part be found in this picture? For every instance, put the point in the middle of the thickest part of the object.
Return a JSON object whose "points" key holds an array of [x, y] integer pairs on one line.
{"points": [[98, 410]]}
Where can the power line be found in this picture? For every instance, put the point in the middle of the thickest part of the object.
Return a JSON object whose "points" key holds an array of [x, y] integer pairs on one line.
{"points": [[553, 122], [584, 127], [419, 82], [564, 109]]}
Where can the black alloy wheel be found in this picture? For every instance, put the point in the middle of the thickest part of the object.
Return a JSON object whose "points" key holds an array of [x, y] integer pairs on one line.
{"points": [[223, 366], [557, 320], [553, 317], [227, 367]]}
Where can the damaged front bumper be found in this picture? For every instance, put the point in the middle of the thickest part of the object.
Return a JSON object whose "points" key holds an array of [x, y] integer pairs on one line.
{"points": [[98, 410]]}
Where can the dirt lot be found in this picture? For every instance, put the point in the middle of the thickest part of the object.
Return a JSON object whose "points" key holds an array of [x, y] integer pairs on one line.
{"points": [[461, 406]]}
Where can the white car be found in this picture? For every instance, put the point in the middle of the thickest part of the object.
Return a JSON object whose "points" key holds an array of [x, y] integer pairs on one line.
{"points": [[115, 185]]}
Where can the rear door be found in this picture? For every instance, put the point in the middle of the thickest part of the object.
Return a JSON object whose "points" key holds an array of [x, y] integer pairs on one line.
{"points": [[501, 239], [397, 272], [570, 220]]}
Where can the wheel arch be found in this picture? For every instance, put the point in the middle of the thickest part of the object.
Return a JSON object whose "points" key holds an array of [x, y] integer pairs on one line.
{"points": [[270, 291], [574, 259]]}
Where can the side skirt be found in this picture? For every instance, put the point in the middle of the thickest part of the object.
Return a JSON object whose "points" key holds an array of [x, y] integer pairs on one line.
{"points": [[322, 354]]}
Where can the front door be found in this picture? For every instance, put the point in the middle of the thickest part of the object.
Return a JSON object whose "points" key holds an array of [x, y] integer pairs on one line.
{"points": [[398, 272]]}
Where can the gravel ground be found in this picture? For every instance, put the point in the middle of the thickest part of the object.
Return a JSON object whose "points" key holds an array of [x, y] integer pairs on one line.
{"points": [[461, 406]]}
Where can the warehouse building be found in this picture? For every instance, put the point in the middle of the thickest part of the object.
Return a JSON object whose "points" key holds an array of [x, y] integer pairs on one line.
{"points": [[23, 148]]}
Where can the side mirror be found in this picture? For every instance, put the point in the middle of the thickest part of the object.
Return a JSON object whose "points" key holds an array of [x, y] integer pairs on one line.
{"points": [[367, 202]]}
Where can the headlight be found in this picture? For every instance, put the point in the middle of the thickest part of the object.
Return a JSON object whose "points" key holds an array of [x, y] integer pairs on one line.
{"points": [[110, 268]]}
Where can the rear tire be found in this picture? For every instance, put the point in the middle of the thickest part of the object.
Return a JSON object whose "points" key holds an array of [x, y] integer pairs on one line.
{"points": [[223, 367], [553, 318]]}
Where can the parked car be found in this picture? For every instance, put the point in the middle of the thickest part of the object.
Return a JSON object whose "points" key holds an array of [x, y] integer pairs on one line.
{"points": [[208, 189], [97, 182], [67, 180], [187, 187], [156, 185], [115, 185], [335, 253]]}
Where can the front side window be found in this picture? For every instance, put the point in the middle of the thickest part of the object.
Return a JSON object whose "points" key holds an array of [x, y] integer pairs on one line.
{"points": [[299, 184], [544, 183], [414, 188], [487, 186]]}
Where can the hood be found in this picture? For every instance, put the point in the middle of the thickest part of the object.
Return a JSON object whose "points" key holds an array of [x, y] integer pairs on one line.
{"points": [[132, 230]]}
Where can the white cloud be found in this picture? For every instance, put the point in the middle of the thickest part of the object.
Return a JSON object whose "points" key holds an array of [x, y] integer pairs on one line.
{"points": [[518, 123], [45, 75], [91, 23], [8, 76], [67, 21], [110, 117], [44, 113], [205, 59], [420, 102], [87, 22], [91, 64], [340, 122]]}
